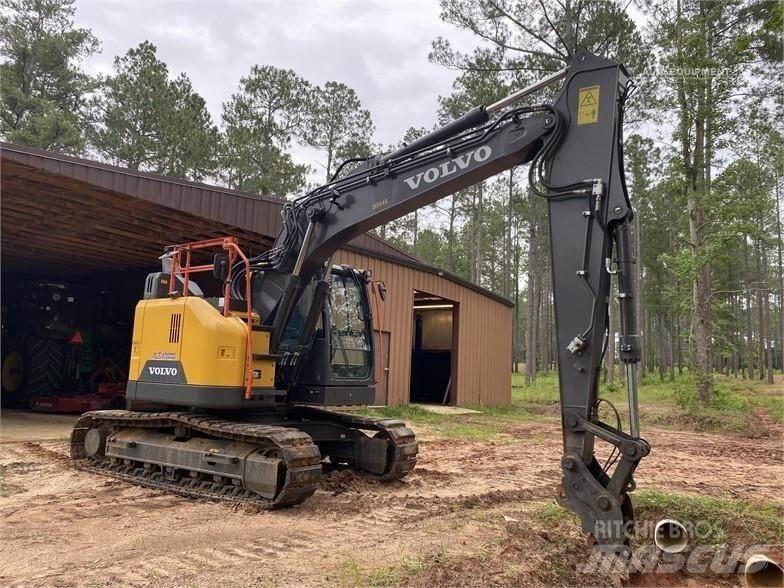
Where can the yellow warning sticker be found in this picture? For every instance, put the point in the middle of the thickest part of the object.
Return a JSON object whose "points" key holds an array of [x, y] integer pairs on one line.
{"points": [[588, 105]]}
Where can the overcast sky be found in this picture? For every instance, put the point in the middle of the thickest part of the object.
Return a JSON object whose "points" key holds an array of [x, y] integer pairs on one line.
{"points": [[378, 47]]}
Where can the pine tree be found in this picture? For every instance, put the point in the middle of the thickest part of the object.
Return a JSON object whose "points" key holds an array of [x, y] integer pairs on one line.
{"points": [[260, 121], [152, 123], [338, 125], [43, 89], [706, 72]]}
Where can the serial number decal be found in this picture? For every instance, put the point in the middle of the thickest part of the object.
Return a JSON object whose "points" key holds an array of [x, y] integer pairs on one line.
{"points": [[380, 203]]}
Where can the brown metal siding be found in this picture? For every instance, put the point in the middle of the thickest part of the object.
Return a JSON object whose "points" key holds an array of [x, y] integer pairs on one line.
{"points": [[484, 332]]}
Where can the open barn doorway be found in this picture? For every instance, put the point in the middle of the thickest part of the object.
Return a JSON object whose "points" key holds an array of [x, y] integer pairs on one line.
{"points": [[433, 352]]}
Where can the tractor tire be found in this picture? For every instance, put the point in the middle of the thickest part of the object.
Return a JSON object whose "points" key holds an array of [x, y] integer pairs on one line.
{"points": [[13, 374], [32, 366], [46, 363]]}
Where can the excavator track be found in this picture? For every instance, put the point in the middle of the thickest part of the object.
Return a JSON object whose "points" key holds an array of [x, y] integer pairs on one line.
{"points": [[300, 456], [402, 446]]}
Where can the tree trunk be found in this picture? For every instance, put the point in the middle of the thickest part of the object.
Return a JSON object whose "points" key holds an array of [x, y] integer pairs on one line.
{"points": [[768, 332], [701, 287], [415, 231], [749, 332], [693, 161], [478, 229], [662, 347], [701, 332], [544, 364], [671, 351], [516, 325], [761, 328], [679, 341], [638, 293], [330, 149], [508, 235], [530, 344], [474, 249], [452, 219], [781, 271]]}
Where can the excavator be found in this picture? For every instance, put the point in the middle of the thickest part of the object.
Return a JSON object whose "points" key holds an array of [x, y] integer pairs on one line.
{"points": [[242, 379]]}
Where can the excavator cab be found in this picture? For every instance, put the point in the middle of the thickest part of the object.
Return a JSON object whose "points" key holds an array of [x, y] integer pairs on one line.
{"points": [[339, 369]]}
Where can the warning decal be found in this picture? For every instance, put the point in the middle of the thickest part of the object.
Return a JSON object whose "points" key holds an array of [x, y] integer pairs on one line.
{"points": [[588, 105]]}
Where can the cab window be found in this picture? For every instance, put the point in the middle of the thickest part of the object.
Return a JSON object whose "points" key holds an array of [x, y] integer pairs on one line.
{"points": [[350, 352]]}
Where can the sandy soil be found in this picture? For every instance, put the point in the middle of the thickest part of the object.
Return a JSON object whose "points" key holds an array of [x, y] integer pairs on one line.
{"points": [[466, 501]]}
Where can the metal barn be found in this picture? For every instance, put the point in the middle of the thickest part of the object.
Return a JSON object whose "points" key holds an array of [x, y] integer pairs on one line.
{"points": [[84, 225]]}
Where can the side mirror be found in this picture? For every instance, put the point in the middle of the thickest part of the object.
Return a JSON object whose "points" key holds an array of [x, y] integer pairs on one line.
{"points": [[220, 266], [382, 291]]}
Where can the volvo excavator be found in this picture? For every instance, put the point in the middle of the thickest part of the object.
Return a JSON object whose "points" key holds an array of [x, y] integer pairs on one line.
{"points": [[245, 375]]}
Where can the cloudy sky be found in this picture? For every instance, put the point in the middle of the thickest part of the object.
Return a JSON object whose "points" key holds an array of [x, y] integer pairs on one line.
{"points": [[378, 47]]}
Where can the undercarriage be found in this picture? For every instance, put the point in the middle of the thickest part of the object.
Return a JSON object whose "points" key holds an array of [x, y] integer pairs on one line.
{"points": [[272, 463]]}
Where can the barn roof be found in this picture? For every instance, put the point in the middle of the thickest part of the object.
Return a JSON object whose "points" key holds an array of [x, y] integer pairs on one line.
{"points": [[68, 215]]}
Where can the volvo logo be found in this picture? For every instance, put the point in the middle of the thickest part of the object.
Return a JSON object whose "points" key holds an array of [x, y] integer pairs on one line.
{"points": [[162, 371], [450, 167]]}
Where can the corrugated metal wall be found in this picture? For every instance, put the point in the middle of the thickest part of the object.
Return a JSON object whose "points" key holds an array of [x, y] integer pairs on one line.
{"points": [[484, 344]]}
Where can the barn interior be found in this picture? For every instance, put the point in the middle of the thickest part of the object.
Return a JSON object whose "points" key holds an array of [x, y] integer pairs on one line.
{"points": [[433, 336], [75, 253]]}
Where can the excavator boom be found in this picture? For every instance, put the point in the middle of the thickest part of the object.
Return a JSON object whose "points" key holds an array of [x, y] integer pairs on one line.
{"points": [[574, 147]]}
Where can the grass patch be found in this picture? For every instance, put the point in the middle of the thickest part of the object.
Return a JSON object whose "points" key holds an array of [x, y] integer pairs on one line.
{"points": [[663, 403], [714, 520], [551, 514], [726, 411], [773, 405], [477, 431], [355, 575], [710, 520], [537, 397], [761, 394], [484, 425]]}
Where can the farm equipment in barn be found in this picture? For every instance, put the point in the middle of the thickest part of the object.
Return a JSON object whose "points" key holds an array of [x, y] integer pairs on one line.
{"points": [[59, 343], [245, 374], [103, 389]]}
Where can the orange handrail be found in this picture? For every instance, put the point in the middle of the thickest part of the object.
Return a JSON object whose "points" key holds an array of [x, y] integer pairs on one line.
{"points": [[228, 244], [233, 248]]}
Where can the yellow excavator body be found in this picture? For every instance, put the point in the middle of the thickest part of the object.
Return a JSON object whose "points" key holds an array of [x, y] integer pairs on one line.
{"points": [[188, 342]]}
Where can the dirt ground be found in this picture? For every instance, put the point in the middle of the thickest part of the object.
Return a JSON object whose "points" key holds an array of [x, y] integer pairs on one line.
{"points": [[467, 503]]}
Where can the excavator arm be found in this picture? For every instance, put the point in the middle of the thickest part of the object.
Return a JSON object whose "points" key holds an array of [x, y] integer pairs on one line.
{"points": [[574, 147]]}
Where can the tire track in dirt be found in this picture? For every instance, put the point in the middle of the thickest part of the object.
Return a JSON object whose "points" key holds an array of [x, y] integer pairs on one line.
{"points": [[773, 427]]}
